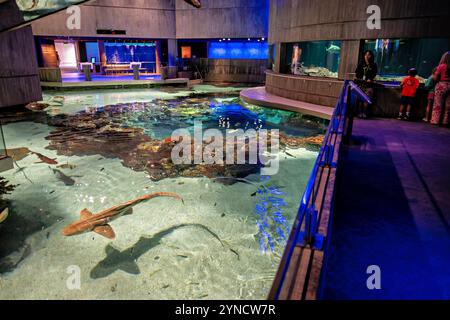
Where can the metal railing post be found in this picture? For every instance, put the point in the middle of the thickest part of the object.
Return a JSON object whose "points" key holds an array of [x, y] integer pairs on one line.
{"points": [[349, 116]]}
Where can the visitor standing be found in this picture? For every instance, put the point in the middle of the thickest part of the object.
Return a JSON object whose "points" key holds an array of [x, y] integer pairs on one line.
{"points": [[409, 86], [430, 86], [366, 71], [441, 107]]}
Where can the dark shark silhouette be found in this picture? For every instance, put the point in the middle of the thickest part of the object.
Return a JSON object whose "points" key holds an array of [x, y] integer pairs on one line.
{"points": [[126, 260]]}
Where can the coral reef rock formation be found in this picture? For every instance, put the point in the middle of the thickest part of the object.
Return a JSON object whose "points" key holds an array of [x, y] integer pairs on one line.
{"points": [[102, 133], [5, 187], [37, 106], [300, 142]]}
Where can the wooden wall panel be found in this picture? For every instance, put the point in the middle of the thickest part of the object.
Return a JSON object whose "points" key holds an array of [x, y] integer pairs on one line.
{"points": [[140, 19], [225, 70], [222, 19], [19, 90], [304, 20], [313, 90], [19, 79], [350, 54], [165, 19]]}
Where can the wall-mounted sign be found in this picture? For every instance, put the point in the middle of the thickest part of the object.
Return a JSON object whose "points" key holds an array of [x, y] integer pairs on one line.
{"points": [[186, 52]]}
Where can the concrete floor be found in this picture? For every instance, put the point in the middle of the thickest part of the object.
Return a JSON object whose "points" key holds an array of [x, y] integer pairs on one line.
{"points": [[392, 210]]}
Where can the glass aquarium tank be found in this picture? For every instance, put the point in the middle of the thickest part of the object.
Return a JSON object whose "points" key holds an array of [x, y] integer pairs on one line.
{"points": [[257, 50], [396, 56], [313, 58], [127, 52]]}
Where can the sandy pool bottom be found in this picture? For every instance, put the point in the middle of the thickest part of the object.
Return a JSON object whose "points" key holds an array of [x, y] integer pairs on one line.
{"points": [[206, 248]]}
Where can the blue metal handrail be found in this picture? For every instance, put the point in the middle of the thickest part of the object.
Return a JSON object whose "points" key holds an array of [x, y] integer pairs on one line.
{"points": [[340, 125]]}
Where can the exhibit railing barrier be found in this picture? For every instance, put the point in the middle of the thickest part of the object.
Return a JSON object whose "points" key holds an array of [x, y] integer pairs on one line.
{"points": [[298, 275]]}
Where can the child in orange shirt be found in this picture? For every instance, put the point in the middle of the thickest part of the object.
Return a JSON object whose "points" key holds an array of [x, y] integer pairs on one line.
{"points": [[409, 87]]}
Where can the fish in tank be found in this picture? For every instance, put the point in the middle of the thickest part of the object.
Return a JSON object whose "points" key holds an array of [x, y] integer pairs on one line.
{"points": [[396, 56], [314, 58], [89, 157]]}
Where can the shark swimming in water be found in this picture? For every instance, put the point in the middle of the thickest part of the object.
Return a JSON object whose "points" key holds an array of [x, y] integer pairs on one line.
{"points": [[333, 49], [99, 223], [4, 214]]}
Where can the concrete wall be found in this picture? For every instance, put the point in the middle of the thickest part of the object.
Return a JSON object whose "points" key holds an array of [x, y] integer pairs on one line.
{"points": [[294, 20], [313, 90], [165, 19], [346, 20], [19, 79], [140, 18], [222, 19], [239, 70]]}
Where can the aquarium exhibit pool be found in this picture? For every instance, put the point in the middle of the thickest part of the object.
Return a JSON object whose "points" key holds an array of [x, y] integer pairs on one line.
{"points": [[96, 150]]}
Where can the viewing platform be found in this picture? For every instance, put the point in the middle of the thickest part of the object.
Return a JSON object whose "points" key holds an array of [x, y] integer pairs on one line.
{"points": [[260, 96], [391, 210]]}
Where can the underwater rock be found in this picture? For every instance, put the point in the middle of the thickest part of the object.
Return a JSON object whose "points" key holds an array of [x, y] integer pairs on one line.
{"points": [[37, 106], [122, 131], [5, 187], [319, 72], [101, 133], [58, 100], [301, 142]]}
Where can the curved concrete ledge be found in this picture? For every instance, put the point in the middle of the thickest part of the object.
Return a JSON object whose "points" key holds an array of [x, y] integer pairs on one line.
{"points": [[259, 96], [315, 90]]}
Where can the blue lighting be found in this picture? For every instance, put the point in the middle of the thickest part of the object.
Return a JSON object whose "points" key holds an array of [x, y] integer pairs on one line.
{"points": [[238, 50], [92, 51], [272, 224], [126, 52]]}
